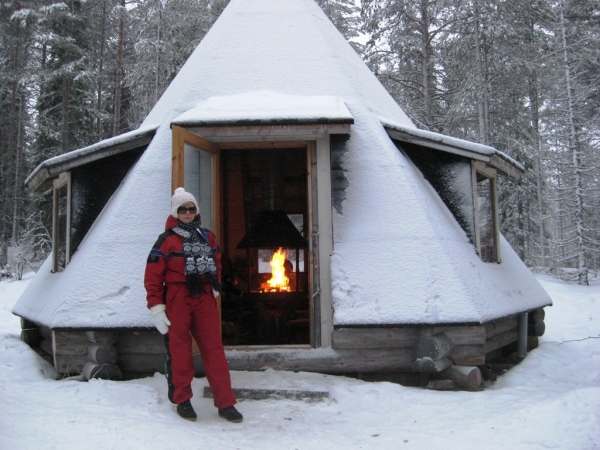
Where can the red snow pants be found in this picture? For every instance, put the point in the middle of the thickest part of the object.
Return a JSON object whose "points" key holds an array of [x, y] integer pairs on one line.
{"points": [[198, 315]]}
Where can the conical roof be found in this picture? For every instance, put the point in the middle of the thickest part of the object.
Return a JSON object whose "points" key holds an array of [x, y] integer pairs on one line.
{"points": [[399, 254]]}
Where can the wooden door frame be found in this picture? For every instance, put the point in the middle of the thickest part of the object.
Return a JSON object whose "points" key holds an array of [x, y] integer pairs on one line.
{"points": [[317, 140]]}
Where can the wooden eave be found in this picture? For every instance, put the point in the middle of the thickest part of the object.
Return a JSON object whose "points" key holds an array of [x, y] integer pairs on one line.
{"points": [[502, 163], [47, 171], [224, 134]]}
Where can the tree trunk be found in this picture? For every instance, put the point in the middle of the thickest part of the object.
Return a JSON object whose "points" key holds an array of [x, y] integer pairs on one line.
{"points": [[118, 82], [100, 72], [481, 81], [576, 160], [425, 50]]}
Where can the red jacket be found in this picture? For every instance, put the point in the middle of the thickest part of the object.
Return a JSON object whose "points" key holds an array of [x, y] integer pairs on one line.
{"points": [[166, 263]]}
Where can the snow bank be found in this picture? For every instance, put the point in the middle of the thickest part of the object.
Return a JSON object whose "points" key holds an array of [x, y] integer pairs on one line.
{"points": [[551, 400]]}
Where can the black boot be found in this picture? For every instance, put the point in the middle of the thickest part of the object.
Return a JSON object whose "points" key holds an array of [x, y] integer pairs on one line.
{"points": [[231, 414], [186, 411]]}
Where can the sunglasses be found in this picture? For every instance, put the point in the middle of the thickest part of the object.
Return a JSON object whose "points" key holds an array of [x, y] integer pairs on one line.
{"points": [[183, 210]]}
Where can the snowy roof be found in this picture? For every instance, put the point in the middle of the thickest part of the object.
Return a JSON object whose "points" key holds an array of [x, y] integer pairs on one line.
{"points": [[399, 254], [266, 107], [52, 167], [447, 143]]}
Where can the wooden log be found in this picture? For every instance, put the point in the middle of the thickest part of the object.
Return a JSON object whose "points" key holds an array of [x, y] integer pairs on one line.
{"points": [[325, 360], [500, 340], [141, 342], [532, 342], [102, 337], [374, 337], [46, 346], [468, 355], [434, 347], [69, 343], [69, 364], [427, 365], [537, 315], [460, 335], [46, 332], [103, 354], [500, 326], [31, 336], [536, 328], [28, 324], [103, 371], [465, 377]]}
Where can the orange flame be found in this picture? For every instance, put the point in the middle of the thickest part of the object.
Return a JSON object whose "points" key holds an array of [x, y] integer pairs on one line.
{"points": [[279, 282]]}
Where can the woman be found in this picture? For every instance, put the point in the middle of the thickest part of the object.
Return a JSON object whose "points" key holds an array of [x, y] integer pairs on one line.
{"points": [[183, 275]]}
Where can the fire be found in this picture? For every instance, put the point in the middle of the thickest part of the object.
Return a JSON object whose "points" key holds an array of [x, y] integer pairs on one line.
{"points": [[279, 282]]}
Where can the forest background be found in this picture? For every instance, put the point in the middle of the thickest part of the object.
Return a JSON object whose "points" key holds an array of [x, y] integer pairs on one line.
{"points": [[522, 76]]}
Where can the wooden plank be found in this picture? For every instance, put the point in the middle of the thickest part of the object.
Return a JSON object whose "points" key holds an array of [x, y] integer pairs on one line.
{"points": [[462, 335], [274, 394], [325, 360], [198, 141], [500, 340], [177, 159], [263, 145], [69, 364], [142, 342], [69, 343], [500, 326], [468, 355], [505, 167], [374, 338], [218, 134], [102, 337]]}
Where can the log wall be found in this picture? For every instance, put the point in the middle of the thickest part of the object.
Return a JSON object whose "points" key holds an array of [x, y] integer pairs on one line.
{"points": [[417, 349]]}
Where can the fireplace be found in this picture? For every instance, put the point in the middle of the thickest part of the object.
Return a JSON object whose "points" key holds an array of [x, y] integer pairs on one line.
{"points": [[266, 191]]}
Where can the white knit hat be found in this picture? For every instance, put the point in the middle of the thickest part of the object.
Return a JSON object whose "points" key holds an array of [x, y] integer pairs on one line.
{"points": [[179, 198]]}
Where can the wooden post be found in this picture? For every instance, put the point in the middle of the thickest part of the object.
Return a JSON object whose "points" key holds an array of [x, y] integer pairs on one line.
{"points": [[522, 338]]}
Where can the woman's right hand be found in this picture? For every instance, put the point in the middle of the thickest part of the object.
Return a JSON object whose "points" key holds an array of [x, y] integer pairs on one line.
{"points": [[161, 321]]}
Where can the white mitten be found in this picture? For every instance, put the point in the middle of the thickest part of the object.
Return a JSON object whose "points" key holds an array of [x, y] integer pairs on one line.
{"points": [[161, 321]]}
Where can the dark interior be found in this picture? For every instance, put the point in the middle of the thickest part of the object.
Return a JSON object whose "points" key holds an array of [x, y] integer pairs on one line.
{"points": [[264, 208]]}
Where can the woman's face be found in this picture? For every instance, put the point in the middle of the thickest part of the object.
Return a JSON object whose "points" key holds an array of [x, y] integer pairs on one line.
{"points": [[186, 212]]}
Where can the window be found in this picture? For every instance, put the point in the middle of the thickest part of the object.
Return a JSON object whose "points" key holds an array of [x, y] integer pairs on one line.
{"points": [[61, 222], [486, 213]]}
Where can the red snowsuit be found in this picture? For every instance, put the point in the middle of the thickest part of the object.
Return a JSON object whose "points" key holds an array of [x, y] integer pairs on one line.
{"points": [[165, 282]]}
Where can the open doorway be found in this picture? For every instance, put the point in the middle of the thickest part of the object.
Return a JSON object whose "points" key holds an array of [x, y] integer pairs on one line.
{"points": [[263, 228]]}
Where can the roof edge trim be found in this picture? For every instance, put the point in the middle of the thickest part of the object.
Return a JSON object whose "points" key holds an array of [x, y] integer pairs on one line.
{"points": [[490, 155], [52, 167], [265, 122]]}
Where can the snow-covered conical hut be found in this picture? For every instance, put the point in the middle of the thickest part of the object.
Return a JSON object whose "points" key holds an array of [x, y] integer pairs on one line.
{"points": [[395, 259]]}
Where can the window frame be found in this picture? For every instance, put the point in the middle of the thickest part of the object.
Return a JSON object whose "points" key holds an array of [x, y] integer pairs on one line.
{"points": [[481, 169], [63, 181]]}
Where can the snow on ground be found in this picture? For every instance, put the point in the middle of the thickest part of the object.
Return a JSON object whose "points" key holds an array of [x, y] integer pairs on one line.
{"points": [[550, 401]]}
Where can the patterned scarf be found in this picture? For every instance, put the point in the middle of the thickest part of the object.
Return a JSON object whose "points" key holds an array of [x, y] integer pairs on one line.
{"points": [[199, 257]]}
